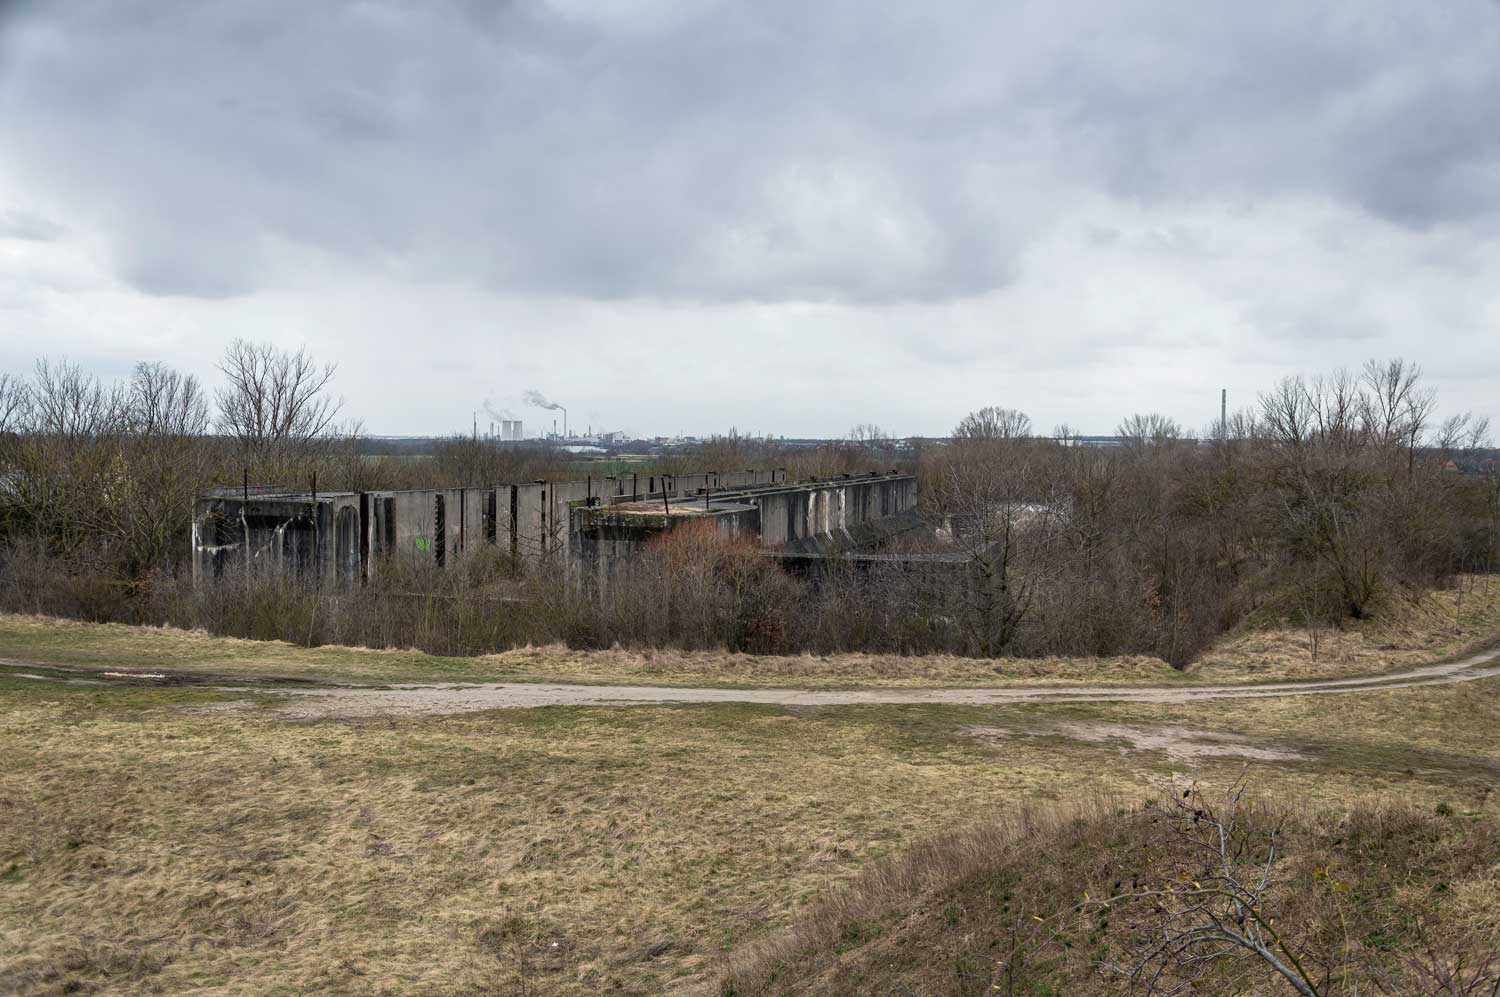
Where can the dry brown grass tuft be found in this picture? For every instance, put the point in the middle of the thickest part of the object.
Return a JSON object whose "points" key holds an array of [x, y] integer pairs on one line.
{"points": [[45, 640], [1376, 897], [1413, 629]]}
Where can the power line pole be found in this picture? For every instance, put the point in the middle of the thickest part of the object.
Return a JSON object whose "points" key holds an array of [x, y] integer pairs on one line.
{"points": [[1223, 413]]}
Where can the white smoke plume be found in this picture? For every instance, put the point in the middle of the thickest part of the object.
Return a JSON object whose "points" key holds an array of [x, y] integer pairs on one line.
{"points": [[535, 397]]}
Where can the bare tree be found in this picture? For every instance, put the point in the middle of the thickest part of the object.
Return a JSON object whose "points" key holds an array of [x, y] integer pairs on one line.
{"points": [[104, 476], [15, 416], [1459, 433], [168, 461], [1394, 402], [160, 402], [993, 423], [995, 499], [1286, 413], [274, 402], [64, 458], [15, 404], [71, 405], [1397, 407], [1150, 428]]}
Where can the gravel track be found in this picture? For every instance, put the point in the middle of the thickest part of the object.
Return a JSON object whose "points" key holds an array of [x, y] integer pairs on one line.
{"points": [[453, 698], [449, 697]]}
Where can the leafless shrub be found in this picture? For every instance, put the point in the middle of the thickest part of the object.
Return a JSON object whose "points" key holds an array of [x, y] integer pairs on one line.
{"points": [[1470, 968], [1203, 893], [1217, 902]]}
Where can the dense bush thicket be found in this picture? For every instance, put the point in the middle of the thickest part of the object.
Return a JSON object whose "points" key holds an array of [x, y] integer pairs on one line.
{"points": [[1321, 503]]}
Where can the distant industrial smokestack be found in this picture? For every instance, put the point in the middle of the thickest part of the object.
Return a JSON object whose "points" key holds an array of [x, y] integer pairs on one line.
{"points": [[534, 397]]}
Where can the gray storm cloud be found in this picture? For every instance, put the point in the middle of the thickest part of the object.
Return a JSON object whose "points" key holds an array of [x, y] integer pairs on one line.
{"points": [[829, 203], [764, 152]]}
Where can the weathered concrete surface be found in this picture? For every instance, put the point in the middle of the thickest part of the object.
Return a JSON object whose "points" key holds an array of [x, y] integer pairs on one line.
{"points": [[811, 516], [337, 538]]}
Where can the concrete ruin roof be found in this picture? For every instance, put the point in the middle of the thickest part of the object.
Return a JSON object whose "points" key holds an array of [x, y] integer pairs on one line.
{"points": [[682, 507]]}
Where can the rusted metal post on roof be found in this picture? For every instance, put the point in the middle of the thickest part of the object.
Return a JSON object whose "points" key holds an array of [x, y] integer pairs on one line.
{"points": [[315, 486], [247, 486]]}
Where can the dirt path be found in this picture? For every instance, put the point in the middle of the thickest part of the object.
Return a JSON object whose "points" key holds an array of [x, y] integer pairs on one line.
{"points": [[454, 698]]}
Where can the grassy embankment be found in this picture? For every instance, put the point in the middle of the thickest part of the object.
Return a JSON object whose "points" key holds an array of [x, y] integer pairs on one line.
{"points": [[152, 840], [1410, 632], [1382, 898]]}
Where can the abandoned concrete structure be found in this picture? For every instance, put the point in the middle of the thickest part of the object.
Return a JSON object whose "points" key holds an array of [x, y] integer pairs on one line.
{"points": [[338, 538]]}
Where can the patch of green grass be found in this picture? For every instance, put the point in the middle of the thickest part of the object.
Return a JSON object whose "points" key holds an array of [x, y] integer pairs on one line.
{"points": [[15, 688]]}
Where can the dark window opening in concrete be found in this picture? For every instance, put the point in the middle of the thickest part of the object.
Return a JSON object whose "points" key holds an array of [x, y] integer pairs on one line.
{"points": [[222, 534], [364, 530], [346, 542], [388, 517], [489, 518], [514, 510], [289, 543], [439, 531]]}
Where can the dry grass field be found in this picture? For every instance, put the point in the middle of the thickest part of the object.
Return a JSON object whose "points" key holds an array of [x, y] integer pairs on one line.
{"points": [[153, 840]]}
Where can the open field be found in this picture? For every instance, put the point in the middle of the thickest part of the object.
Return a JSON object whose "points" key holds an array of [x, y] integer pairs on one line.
{"points": [[150, 840]]}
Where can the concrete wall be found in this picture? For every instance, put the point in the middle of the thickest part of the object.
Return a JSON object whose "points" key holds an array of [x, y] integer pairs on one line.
{"points": [[603, 540], [293, 535], [404, 524], [830, 510], [339, 537]]}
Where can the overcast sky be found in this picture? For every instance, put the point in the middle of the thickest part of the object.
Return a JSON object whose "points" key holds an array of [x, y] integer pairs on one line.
{"points": [[787, 217]]}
